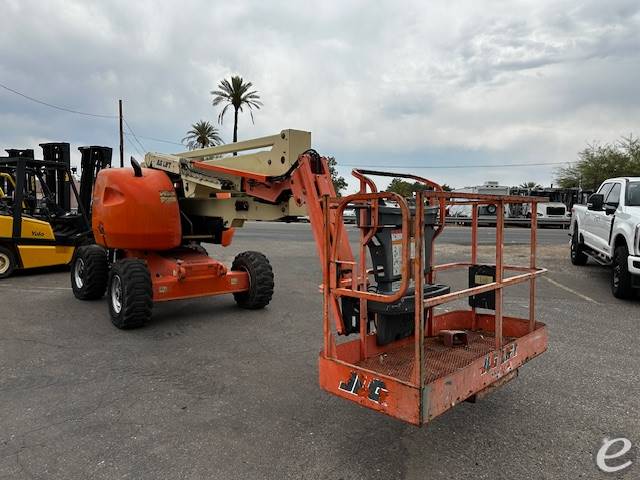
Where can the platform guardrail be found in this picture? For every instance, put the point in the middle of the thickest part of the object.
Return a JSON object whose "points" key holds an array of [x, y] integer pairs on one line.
{"points": [[524, 222]]}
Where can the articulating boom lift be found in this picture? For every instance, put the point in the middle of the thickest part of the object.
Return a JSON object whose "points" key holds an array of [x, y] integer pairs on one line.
{"points": [[408, 361]]}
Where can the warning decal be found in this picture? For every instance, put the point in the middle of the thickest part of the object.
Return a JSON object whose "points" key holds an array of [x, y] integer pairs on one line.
{"points": [[167, 196]]}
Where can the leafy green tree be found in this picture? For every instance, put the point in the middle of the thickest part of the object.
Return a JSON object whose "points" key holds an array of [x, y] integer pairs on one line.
{"points": [[202, 135], [404, 188], [598, 162], [446, 187], [236, 94], [529, 185], [339, 183], [401, 187]]}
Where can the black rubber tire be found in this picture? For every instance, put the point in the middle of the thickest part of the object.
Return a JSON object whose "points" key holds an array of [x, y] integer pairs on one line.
{"points": [[260, 280], [130, 285], [621, 283], [578, 257], [89, 272], [8, 262]]}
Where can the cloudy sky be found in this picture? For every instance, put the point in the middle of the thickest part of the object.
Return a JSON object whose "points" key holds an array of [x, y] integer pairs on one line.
{"points": [[410, 86]]}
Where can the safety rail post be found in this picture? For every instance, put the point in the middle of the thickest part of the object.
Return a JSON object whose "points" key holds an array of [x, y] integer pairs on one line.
{"points": [[474, 255], [474, 233], [532, 265], [499, 272], [418, 278], [325, 275], [362, 286]]}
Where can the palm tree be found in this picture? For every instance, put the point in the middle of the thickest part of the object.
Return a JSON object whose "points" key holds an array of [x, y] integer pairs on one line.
{"points": [[202, 135], [236, 94], [530, 185]]}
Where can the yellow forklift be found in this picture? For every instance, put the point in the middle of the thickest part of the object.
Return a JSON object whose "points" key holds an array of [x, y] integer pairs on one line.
{"points": [[43, 215]]}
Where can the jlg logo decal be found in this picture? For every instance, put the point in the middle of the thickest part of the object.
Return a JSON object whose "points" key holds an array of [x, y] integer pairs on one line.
{"points": [[493, 359], [375, 390]]}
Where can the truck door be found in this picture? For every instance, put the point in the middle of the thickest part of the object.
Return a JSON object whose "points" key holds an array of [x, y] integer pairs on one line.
{"points": [[603, 220], [591, 219]]}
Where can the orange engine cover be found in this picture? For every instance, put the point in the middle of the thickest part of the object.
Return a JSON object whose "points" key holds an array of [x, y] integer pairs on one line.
{"points": [[135, 213]]}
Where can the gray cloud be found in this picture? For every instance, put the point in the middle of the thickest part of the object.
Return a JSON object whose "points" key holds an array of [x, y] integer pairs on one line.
{"points": [[390, 83]]}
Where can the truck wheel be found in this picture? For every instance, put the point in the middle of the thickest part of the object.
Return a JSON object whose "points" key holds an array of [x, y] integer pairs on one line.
{"points": [[578, 257], [260, 280], [621, 286], [130, 293], [89, 272], [7, 262]]}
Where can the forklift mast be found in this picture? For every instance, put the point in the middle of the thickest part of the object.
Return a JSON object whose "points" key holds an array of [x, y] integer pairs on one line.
{"points": [[93, 159], [57, 181], [55, 175]]}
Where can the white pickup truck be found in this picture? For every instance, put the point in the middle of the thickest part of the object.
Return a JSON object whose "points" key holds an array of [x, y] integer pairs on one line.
{"points": [[607, 229]]}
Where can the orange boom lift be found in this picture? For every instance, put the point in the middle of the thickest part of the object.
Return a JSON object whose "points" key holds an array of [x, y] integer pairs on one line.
{"points": [[407, 360]]}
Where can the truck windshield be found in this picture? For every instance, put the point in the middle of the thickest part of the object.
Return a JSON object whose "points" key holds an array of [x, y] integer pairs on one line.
{"points": [[633, 194]]}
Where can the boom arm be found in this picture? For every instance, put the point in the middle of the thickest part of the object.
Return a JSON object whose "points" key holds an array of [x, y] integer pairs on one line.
{"points": [[252, 185], [284, 180]]}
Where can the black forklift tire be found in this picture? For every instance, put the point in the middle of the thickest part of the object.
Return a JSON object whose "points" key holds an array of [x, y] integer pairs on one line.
{"points": [[621, 281], [130, 293], [260, 280], [89, 272], [8, 262], [578, 257]]}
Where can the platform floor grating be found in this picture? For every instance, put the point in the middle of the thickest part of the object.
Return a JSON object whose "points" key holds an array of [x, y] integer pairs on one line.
{"points": [[439, 360]]}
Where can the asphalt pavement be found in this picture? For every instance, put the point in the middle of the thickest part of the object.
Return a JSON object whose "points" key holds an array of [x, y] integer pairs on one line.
{"points": [[210, 391]]}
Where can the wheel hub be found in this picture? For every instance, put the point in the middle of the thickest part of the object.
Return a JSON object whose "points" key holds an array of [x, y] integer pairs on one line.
{"points": [[78, 273], [4, 263], [116, 294]]}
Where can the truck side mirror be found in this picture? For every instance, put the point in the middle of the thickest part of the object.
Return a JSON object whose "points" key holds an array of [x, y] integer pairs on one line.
{"points": [[610, 208], [595, 202]]}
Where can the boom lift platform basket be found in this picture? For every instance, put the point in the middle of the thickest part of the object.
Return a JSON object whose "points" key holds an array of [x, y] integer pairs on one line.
{"points": [[448, 357]]}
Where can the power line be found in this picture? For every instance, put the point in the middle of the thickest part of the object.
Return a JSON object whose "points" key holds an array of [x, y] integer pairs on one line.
{"points": [[159, 140], [57, 107], [134, 135], [135, 147], [88, 114], [489, 165]]}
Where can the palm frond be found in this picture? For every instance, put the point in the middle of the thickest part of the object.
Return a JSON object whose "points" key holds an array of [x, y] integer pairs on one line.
{"points": [[224, 110], [201, 135], [235, 93]]}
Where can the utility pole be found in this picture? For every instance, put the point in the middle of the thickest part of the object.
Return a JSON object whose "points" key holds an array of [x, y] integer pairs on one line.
{"points": [[121, 135]]}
